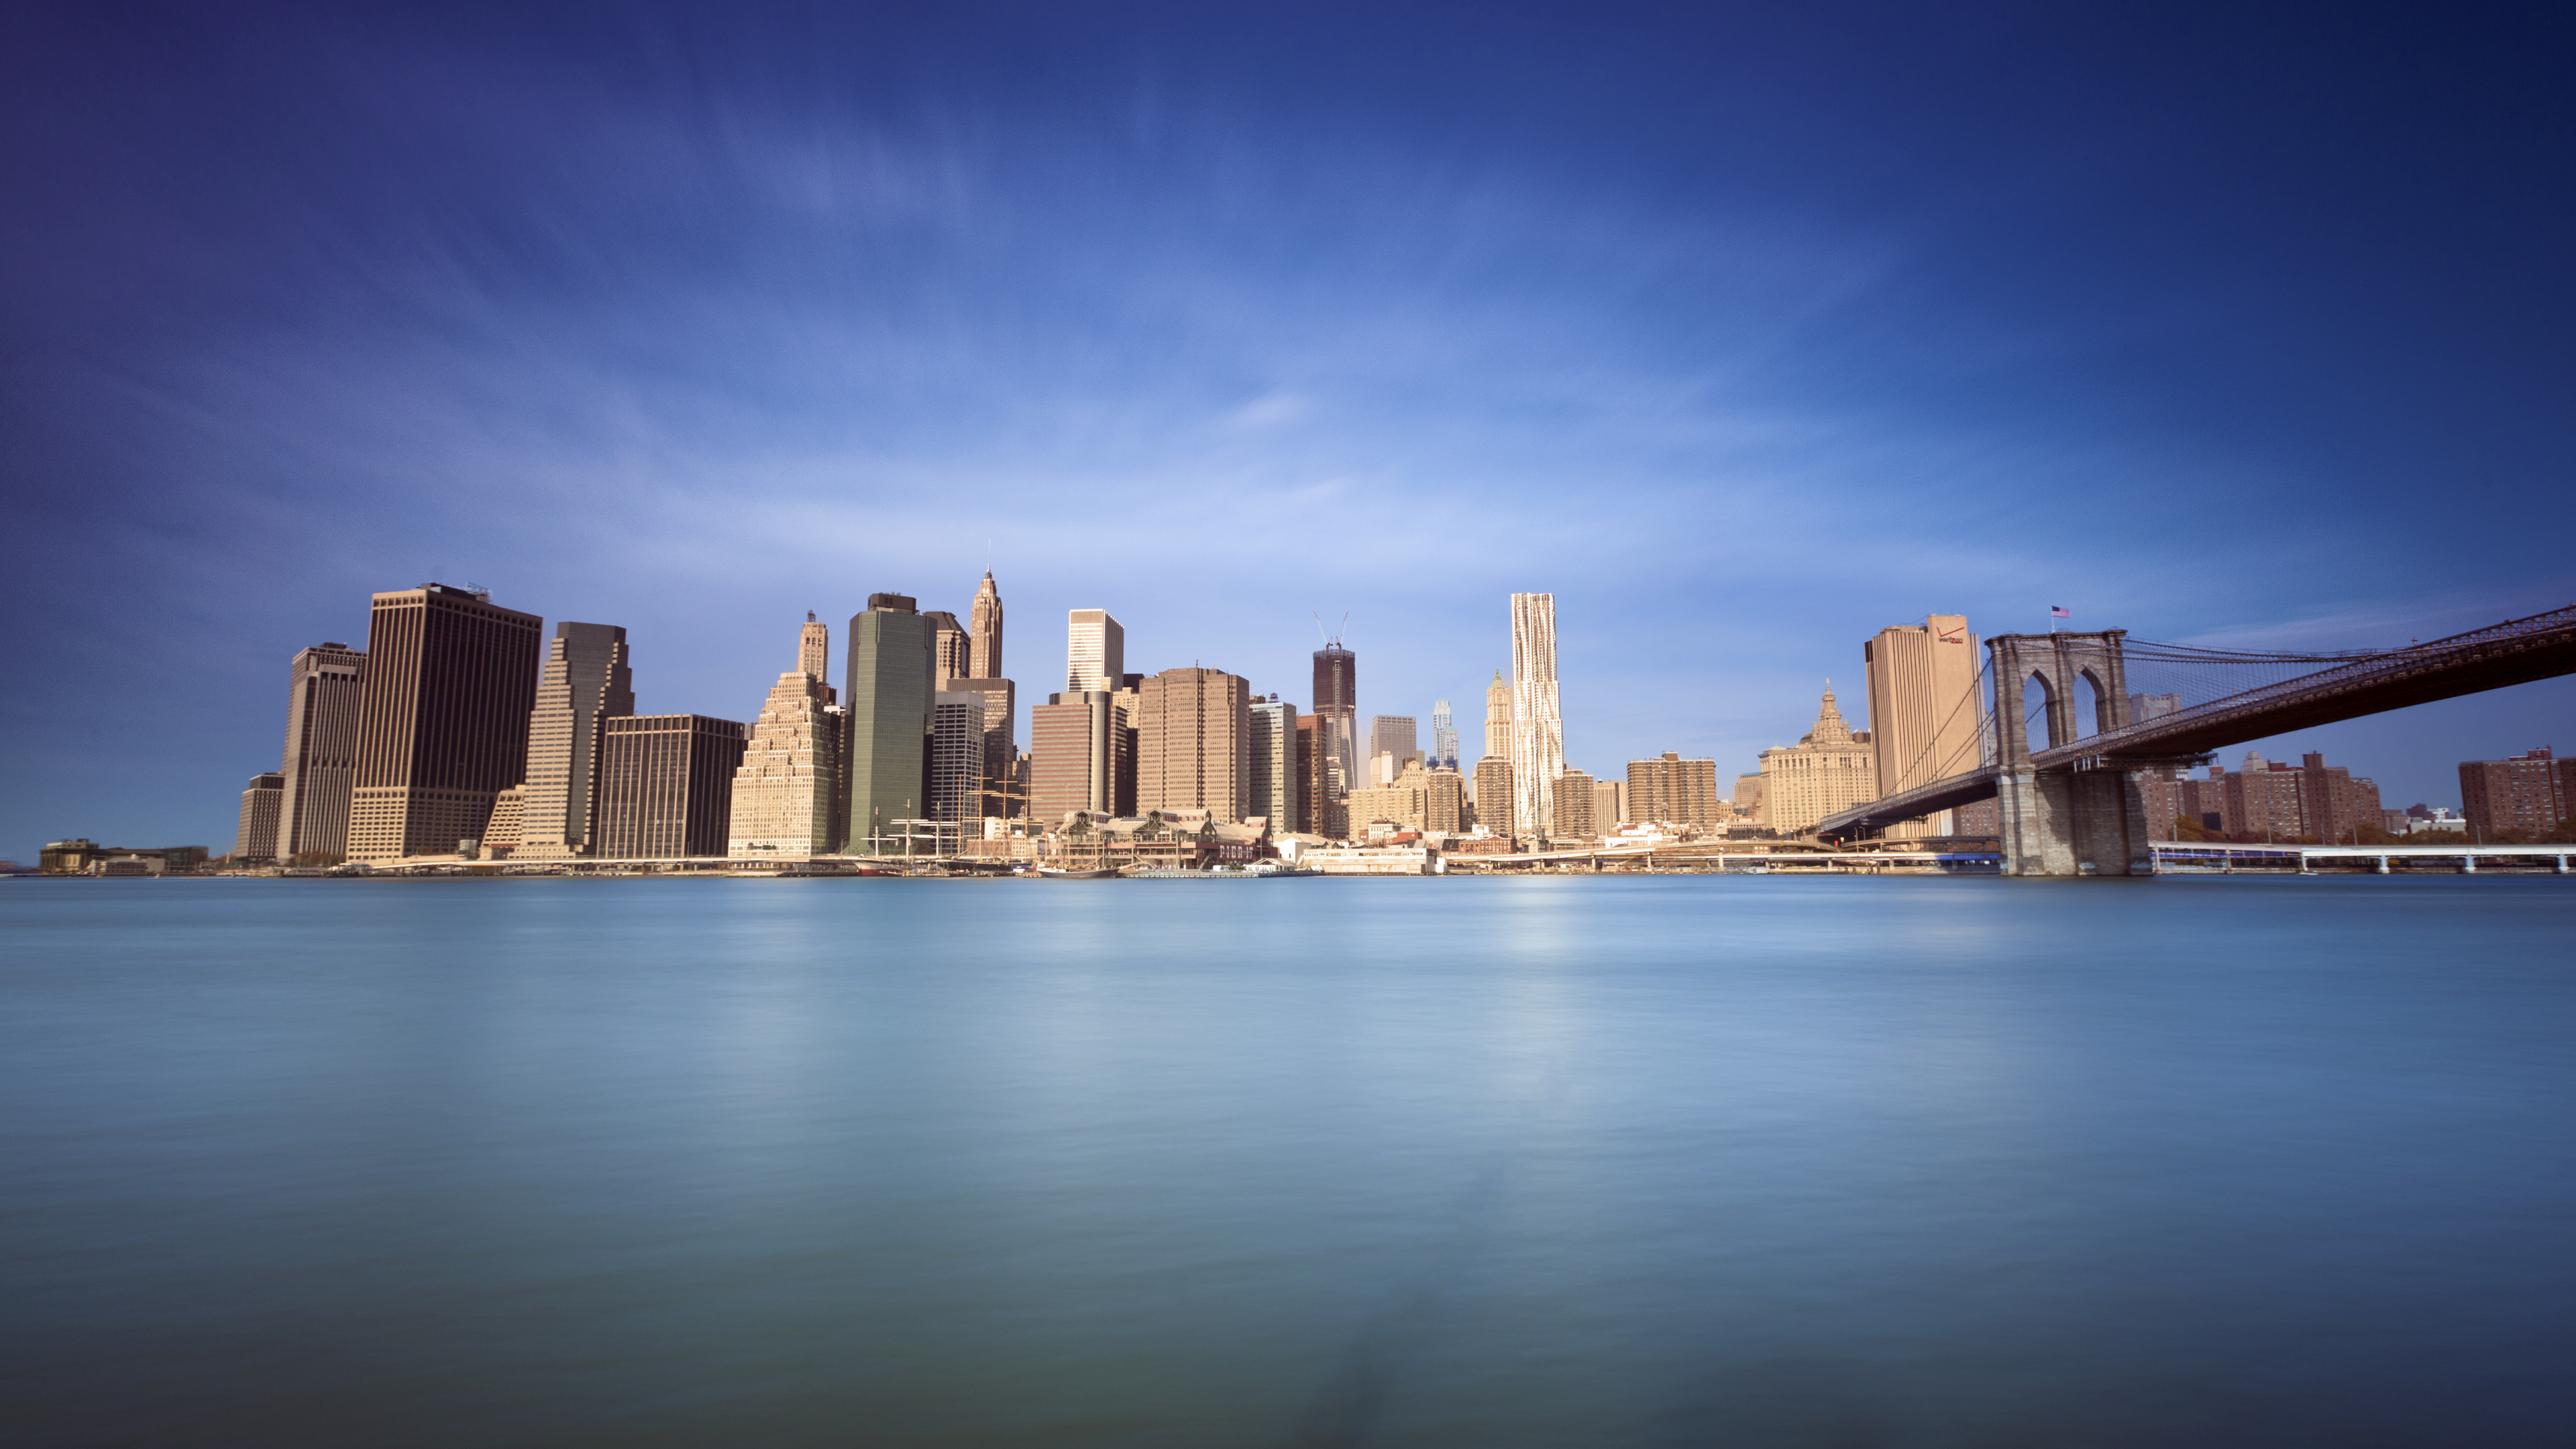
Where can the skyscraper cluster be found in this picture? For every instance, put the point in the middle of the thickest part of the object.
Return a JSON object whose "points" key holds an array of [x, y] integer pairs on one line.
{"points": [[467, 726], [463, 726], [1190, 741]]}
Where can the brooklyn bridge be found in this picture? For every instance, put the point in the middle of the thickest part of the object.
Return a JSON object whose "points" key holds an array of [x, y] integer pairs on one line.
{"points": [[2066, 723]]}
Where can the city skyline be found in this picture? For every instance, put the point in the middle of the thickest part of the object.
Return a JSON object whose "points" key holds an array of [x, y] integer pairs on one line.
{"points": [[687, 344], [1091, 633]]}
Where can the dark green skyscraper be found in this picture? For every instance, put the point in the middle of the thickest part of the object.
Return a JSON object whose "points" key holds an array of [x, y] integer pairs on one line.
{"points": [[887, 692]]}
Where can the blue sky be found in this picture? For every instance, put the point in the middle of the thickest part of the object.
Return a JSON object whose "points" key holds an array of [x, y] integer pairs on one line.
{"points": [[1744, 334]]}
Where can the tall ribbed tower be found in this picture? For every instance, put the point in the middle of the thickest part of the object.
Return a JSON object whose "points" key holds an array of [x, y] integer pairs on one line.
{"points": [[984, 623], [1538, 732]]}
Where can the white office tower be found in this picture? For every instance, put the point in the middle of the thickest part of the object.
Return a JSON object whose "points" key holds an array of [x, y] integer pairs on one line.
{"points": [[1095, 650], [1538, 730]]}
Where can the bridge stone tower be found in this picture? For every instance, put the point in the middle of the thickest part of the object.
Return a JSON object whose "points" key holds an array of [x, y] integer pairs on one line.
{"points": [[2071, 814]]}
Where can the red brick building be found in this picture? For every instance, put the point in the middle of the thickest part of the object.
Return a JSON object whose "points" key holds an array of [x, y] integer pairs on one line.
{"points": [[2531, 793], [2312, 800]]}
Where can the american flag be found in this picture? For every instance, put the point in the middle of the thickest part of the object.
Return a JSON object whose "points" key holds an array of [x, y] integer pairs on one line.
{"points": [[2059, 611]]}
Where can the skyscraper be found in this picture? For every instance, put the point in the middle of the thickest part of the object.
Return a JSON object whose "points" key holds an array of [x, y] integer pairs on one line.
{"points": [[442, 718], [831, 735], [948, 648], [321, 751], [665, 786], [1444, 798], [1310, 776], [984, 630], [1538, 733], [1129, 699], [1337, 711], [1392, 736], [785, 788], [255, 842], [1923, 715], [814, 653], [1095, 650], [1444, 737], [1076, 739], [888, 687], [1498, 726], [1273, 754], [586, 680], [1494, 794], [957, 758], [1193, 742], [1571, 800], [1001, 740]]}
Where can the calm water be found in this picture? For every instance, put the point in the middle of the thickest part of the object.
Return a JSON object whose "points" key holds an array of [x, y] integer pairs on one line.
{"points": [[1449, 1162]]}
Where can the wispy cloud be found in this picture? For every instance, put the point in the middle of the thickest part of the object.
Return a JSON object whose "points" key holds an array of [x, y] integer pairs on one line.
{"points": [[1276, 408]]}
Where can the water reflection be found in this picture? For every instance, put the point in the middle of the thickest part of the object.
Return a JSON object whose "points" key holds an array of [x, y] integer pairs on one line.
{"points": [[1439, 1162]]}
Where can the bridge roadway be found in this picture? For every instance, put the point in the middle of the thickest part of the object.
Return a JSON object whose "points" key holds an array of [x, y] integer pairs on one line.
{"points": [[2517, 651]]}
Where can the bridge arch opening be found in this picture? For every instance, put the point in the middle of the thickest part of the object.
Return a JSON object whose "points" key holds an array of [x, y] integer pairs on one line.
{"points": [[2093, 712], [2039, 713]]}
